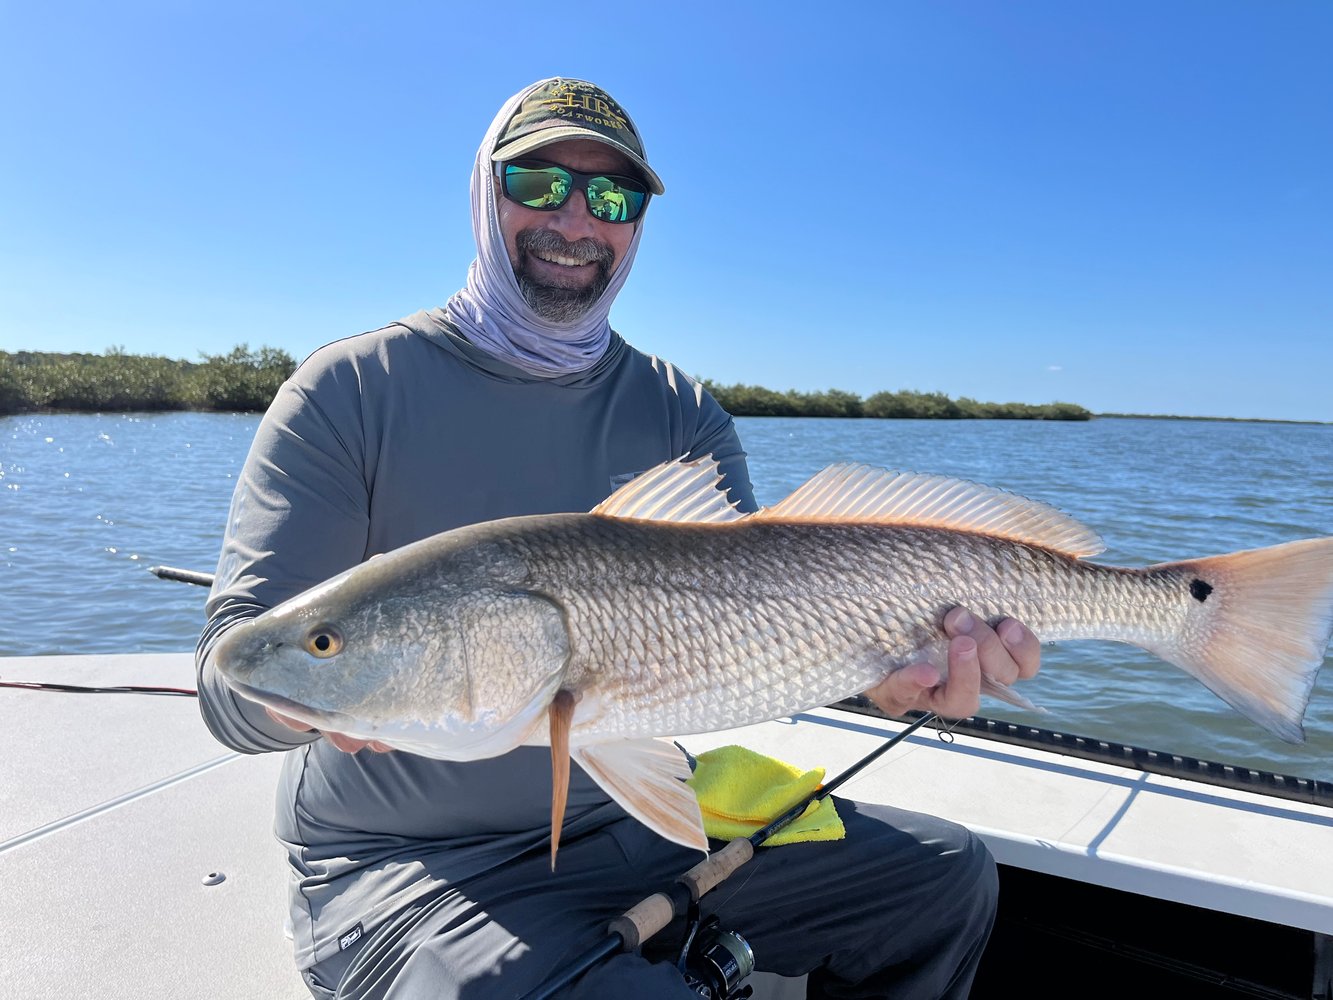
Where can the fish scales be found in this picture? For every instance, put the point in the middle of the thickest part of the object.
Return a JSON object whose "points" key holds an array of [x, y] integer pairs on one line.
{"points": [[602, 633], [668, 620]]}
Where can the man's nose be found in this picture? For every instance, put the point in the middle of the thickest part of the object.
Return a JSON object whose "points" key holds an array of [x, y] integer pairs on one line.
{"points": [[574, 220]]}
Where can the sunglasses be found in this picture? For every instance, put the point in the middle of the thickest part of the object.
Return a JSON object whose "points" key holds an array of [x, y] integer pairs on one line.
{"points": [[546, 186]]}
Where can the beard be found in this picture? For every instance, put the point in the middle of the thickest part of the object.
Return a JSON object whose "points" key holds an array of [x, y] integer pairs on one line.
{"points": [[556, 303]]}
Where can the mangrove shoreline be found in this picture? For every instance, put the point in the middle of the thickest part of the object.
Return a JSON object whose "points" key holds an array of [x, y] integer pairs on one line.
{"points": [[245, 381]]}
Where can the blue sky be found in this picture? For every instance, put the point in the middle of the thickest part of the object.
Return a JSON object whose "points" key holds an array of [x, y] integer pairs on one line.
{"points": [[1127, 205]]}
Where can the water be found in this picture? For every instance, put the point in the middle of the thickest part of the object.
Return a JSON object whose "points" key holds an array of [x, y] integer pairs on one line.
{"points": [[89, 502]]}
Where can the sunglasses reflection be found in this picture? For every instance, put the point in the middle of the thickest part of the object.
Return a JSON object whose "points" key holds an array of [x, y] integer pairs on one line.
{"points": [[549, 187], [607, 203], [556, 196], [605, 198]]}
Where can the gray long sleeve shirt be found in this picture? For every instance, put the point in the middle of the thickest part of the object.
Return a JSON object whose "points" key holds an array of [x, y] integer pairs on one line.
{"points": [[377, 441]]}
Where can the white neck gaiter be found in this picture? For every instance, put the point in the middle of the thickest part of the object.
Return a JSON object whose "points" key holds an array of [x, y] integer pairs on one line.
{"points": [[491, 312]]}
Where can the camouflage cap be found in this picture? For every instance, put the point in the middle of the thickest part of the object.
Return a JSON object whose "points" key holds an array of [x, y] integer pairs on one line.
{"points": [[560, 108]]}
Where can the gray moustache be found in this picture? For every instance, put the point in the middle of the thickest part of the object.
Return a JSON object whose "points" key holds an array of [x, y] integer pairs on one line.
{"points": [[587, 250]]}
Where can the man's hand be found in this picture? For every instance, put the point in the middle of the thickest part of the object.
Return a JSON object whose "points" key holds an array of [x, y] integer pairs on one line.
{"points": [[346, 744], [1007, 653]]}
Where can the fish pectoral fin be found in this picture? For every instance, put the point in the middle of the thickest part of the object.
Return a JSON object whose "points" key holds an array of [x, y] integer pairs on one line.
{"points": [[1004, 692], [647, 777], [562, 714]]}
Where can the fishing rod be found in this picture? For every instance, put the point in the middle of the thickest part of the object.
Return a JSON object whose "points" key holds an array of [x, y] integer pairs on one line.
{"points": [[164, 573], [84, 689], [645, 918], [182, 575]]}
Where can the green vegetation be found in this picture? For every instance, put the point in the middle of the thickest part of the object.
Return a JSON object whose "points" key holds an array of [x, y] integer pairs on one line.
{"points": [[116, 381], [1233, 420], [247, 380], [756, 401]]}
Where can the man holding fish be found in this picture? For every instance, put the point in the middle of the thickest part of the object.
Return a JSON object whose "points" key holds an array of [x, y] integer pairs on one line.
{"points": [[424, 873]]}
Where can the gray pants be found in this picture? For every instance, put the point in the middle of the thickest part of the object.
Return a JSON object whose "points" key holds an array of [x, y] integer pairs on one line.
{"points": [[902, 907]]}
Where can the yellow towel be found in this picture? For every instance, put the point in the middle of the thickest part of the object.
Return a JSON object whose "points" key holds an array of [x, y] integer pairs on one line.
{"points": [[740, 791]]}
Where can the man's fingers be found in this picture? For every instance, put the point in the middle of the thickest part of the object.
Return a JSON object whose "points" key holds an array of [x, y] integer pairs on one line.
{"points": [[904, 689], [1007, 653], [918, 686], [288, 721], [993, 657], [346, 744], [960, 695], [1023, 645]]}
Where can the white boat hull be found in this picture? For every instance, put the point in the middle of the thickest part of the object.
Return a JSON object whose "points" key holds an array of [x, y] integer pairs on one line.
{"points": [[115, 809]]}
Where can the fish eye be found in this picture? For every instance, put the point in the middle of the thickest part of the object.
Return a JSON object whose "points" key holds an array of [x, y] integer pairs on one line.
{"points": [[323, 641]]}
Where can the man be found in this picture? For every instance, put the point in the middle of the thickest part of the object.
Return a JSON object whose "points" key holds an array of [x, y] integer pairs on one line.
{"points": [[613, 205], [416, 878], [556, 196]]}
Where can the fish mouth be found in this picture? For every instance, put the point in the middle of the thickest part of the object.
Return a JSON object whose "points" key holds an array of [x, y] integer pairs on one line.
{"points": [[457, 744], [322, 719]]}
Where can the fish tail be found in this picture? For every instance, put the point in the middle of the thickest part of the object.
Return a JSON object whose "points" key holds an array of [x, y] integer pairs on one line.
{"points": [[1259, 623]]}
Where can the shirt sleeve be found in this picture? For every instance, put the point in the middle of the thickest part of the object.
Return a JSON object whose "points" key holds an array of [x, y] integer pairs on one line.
{"points": [[299, 515]]}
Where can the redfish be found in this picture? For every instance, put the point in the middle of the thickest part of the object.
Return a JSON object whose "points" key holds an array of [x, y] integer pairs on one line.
{"points": [[664, 612]]}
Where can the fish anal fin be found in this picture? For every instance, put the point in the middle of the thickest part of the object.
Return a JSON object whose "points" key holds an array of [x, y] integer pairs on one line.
{"points": [[647, 777], [562, 713], [851, 492], [1005, 693], [678, 490]]}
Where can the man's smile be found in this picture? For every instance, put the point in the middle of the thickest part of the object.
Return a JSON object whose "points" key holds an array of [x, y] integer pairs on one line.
{"points": [[559, 271], [550, 269], [564, 260]]}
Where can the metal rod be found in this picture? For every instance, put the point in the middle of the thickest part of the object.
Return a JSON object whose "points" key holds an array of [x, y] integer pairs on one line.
{"points": [[759, 836], [651, 914], [183, 575], [578, 967]]}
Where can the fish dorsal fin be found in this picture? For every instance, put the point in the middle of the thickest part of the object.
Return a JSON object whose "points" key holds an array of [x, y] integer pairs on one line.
{"points": [[854, 492], [678, 490]]}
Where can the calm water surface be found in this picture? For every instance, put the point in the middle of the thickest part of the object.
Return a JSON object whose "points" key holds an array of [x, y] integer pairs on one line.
{"points": [[89, 502]]}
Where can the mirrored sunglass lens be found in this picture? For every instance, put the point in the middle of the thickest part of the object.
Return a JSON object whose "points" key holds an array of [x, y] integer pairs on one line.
{"points": [[615, 200], [537, 188], [634, 202]]}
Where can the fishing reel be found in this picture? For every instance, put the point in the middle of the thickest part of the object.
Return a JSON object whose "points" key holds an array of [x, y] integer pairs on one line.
{"points": [[715, 962]]}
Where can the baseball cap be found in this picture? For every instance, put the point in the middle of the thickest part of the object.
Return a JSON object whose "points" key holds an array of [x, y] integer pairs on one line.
{"points": [[561, 108]]}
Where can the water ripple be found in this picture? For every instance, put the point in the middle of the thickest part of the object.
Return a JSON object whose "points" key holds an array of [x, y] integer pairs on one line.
{"points": [[89, 502]]}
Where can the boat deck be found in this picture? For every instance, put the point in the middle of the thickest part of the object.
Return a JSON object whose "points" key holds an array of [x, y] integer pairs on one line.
{"points": [[119, 813]]}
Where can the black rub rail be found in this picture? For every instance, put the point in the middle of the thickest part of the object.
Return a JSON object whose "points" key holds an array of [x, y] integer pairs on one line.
{"points": [[1282, 786]]}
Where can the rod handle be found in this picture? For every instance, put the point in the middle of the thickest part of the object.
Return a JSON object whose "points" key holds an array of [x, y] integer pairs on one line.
{"points": [[715, 869], [642, 920]]}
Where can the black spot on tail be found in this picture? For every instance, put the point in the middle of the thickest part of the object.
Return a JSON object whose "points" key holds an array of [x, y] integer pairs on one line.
{"points": [[1200, 590]]}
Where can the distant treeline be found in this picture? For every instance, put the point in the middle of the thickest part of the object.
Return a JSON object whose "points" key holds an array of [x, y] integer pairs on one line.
{"points": [[756, 401], [247, 380], [241, 380]]}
